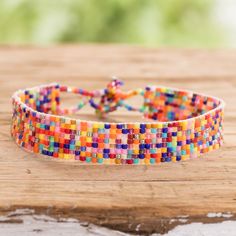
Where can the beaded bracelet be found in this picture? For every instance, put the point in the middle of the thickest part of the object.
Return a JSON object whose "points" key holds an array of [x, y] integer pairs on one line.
{"points": [[184, 124]]}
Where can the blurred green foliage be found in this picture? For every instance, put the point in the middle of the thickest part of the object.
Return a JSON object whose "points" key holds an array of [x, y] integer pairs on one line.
{"points": [[147, 22]]}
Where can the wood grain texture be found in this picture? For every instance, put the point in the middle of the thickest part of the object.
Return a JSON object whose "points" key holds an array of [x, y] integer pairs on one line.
{"points": [[120, 197]]}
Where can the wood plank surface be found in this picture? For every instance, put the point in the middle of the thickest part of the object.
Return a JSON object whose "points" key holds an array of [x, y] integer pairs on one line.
{"points": [[135, 199]]}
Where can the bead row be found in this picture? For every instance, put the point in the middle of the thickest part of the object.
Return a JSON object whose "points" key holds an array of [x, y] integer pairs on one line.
{"points": [[185, 124]]}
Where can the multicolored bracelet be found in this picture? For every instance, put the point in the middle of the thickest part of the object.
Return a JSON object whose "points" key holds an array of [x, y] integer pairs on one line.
{"points": [[181, 125]]}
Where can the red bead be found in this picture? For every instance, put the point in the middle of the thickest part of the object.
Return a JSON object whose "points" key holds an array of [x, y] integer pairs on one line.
{"points": [[67, 141], [55, 155], [130, 141], [112, 155], [129, 161], [169, 139], [63, 88]]}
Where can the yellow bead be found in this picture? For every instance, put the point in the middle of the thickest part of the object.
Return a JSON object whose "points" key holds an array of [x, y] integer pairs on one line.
{"points": [[163, 150], [136, 151], [60, 155], [89, 139], [66, 156], [83, 154], [73, 127], [95, 125], [142, 136], [101, 126], [184, 157], [112, 131], [173, 159], [99, 155]]}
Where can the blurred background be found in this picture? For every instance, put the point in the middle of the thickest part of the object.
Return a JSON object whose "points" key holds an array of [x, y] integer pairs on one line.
{"points": [[177, 23]]}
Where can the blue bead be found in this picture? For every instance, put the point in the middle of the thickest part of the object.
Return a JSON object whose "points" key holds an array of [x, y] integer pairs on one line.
{"points": [[94, 145], [56, 144], [171, 95], [124, 146], [142, 126], [165, 130], [125, 131], [179, 143], [77, 152], [178, 158], [141, 156], [188, 141], [147, 146], [72, 141], [142, 131], [107, 126], [159, 145], [45, 152], [92, 104], [105, 155], [164, 154], [106, 150], [119, 126], [199, 142], [141, 146]]}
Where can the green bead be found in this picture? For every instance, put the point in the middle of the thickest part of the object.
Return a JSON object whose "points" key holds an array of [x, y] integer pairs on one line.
{"points": [[88, 159], [152, 160]]}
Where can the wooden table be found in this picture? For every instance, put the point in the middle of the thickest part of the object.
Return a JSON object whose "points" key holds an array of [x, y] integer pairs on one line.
{"points": [[128, 198]]}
